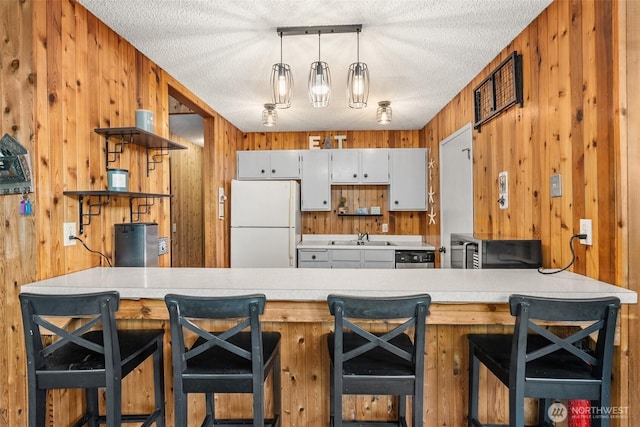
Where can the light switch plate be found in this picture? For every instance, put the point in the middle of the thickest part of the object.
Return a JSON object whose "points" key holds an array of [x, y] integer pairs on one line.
{"points": [[163, 245], [556, 185], [503, 190]]}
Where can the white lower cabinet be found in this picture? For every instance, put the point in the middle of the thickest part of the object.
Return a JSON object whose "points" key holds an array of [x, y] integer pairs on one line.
{"points": [[313, 258], [379, 259], [346, 258]]}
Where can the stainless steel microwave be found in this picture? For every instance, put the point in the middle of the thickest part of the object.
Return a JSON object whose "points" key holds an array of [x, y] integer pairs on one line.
{"points": [[482, 251]]}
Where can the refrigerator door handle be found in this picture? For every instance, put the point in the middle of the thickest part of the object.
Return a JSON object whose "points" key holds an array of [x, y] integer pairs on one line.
{"points": [[292, 222]]}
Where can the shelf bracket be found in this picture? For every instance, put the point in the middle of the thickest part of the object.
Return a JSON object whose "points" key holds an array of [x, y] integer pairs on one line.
{"points": [[142, 208], [153, 160], [112, 155], [93, 209]]}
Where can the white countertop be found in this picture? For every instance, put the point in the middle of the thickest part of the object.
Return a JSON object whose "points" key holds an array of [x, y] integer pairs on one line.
{"points": [[399, 242], [309, 284]]}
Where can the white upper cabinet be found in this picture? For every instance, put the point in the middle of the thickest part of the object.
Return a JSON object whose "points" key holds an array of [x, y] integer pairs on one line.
{"points": [[408, 184], [315, 188], [269, 164], [360, 166]]}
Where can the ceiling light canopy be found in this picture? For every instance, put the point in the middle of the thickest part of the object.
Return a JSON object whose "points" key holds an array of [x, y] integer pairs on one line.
{"points": [[383, 115], [269, 115], [281, 83], [358, 82]]}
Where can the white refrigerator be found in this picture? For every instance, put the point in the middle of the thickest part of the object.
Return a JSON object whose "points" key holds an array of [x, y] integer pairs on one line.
{"points": [[265, 223]]}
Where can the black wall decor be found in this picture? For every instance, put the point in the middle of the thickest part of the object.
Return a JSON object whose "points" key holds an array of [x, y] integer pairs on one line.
{"points": [[500, 90]]}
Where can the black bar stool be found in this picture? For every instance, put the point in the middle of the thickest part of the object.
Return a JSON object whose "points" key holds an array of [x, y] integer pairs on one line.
{"points": [[87, 357], [388, 363], [536, 363], [229, 361]]}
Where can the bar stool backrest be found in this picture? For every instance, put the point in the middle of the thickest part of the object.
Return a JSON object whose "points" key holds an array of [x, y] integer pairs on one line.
{"points": [[247, 308], [99, 310], [594, 316]]}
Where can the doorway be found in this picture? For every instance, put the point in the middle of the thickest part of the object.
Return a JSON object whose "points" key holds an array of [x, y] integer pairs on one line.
{"points": [[456, 188], [187, 187]]}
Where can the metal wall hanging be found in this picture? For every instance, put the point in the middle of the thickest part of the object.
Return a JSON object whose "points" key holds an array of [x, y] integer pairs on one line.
{"points": [[499, 91], [15, 172]]}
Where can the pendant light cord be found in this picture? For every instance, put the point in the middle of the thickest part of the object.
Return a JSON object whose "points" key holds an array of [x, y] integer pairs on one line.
{"points": [[358, 44], [318, 46], [281, 47]]}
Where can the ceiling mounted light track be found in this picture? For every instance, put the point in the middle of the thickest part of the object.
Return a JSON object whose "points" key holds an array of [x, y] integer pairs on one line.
{"points": [[358, 82], [281, 83], [319, 83]]}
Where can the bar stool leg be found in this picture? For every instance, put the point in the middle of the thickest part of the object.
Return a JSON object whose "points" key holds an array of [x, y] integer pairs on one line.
{"points": [[91, 396], [474, 383], [158, 381]]}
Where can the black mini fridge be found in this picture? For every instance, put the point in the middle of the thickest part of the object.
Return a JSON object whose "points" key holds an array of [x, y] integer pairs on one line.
{"points": [[136, 245]]}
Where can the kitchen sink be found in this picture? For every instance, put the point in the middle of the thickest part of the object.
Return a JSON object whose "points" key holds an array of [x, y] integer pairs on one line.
{"points": [[360, 243], [378, 243]]}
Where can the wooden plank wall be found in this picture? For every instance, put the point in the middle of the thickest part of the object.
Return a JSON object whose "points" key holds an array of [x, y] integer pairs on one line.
{"points": [[18, 243], [187, 205], [569, 125], [84, 76], [357, 196], [628, 62]]}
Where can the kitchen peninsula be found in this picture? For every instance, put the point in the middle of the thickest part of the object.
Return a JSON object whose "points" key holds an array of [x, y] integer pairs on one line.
{"points": [[446, 286], [463, 300]]}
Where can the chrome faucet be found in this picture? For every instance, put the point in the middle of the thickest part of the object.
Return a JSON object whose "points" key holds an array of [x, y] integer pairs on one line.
{"points": [[362, 236]]}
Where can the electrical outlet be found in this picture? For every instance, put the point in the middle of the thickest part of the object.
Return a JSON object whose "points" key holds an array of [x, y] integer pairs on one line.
{"points": [[586, 228], [385, 228], [68, 230]]}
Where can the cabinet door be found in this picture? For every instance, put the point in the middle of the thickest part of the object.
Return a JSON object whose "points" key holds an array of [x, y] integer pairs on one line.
{"points": [[315, 185], [374, 166], [313, 258], [253, 164], [375, 258], [346, 258], [408, 186], [284, 164], [345, 166]]}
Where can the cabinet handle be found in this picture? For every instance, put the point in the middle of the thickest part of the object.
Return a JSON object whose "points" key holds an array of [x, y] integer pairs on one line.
{"points": [[366, 175], [355, 175], [313, 257], [324, 202], [395, 203], [273, 171], [262, 171]]}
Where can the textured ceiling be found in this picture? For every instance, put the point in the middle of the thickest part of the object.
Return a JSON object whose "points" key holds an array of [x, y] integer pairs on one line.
{"points": [[420, 53]]}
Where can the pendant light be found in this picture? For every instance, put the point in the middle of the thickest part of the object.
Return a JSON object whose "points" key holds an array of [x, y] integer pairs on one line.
{"points": [[358, 82], [319, 82], [281, 83], [269, 115], [383, 115]]}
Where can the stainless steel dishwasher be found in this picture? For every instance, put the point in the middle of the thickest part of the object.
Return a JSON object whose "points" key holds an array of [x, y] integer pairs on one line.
{"points": [[416, 258]]}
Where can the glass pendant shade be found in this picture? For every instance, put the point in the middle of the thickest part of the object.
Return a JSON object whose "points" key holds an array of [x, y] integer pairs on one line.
{"points": [[358, 85], [319, 82], [358, 82], [269, 115], [383, 115], [281, 83]]}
